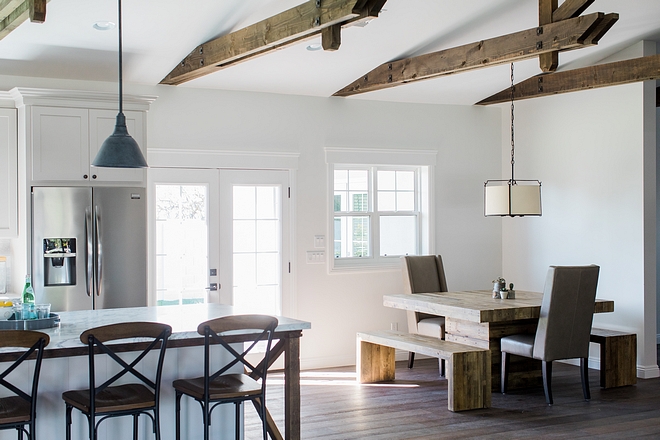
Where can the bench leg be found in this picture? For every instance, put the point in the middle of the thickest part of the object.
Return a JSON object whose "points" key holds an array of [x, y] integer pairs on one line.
{"points": [[618, 361], [468, 381], [375, 363]]}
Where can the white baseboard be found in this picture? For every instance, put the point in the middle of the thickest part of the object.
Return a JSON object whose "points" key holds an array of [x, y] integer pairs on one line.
{"points": [[648, 372]]}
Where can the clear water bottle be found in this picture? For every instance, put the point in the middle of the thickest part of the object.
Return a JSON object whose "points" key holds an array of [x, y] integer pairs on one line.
{"points": [[28, 292]]}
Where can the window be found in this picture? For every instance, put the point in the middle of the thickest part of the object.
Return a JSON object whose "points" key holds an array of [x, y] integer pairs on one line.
{"points": [[380, 206], [377, 214]]}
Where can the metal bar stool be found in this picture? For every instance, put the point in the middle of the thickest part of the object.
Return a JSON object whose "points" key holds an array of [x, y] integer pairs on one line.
{"points": [[19, 409], [221, 387], [109, 399]]}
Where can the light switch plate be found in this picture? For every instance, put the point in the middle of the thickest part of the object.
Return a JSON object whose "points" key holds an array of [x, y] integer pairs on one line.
{"points": [[319, 241], [315, 257]]}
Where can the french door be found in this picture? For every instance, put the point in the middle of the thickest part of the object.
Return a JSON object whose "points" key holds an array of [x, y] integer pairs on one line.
{"points": [[254, 241], [220, 236]]}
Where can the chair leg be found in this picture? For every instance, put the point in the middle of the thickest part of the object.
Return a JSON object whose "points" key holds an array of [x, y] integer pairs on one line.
{"points": [[411, 359], [584, 370], [503, 372], [206, 419], [547, 381], [238, 420], [177, 416], [135, 426], [68, 422], [20, 433], [157, 422]]}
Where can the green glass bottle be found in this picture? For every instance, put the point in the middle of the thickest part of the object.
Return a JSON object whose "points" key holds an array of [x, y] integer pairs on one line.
{"points": [[28, 292]]}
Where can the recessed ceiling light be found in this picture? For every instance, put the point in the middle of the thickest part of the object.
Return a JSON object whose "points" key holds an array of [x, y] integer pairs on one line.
{"points": [[315, 46], [104, 25]]}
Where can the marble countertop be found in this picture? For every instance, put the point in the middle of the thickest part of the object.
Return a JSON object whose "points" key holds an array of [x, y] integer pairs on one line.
{"points": [[183, 319]]}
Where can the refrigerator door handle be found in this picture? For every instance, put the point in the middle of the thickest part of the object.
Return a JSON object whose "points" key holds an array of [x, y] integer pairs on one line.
{"points": [[99, 251], [89, 255]]}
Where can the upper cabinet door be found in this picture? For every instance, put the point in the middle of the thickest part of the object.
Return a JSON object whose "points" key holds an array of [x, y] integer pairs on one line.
{"points": [[102, 125], [8, 173], [60, 144]]}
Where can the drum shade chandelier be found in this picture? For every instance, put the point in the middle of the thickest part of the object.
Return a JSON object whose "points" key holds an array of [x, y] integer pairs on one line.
{"points": [[120, 150], [512, 198]]}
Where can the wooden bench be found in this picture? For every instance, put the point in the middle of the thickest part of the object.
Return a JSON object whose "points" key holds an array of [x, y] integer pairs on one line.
{"points": [[618, 357], [467, 371]]}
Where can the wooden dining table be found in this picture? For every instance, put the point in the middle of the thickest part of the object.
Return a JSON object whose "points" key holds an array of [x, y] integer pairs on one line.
{"points": [[475, 318]]}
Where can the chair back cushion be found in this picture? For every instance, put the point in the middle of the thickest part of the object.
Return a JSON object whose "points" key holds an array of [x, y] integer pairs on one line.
{"points": [[424, 273], [567, 310]]}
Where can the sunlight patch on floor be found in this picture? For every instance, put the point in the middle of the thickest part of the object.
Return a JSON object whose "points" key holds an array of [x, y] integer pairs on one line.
{"points": [[332, 378]]}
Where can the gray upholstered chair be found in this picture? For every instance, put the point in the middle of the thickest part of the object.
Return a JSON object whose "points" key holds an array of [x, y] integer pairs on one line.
{"points": [[564, 325], [423, 274]]}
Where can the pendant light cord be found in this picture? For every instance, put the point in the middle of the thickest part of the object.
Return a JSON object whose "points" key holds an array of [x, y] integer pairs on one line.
{"points": [[512, 137], [121, 89]]}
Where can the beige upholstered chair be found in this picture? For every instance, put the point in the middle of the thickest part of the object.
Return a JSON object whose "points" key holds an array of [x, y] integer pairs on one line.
{"points": [[564, 325], [422, 274]]}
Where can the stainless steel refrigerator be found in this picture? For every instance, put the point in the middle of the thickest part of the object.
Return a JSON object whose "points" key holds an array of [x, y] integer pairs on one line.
{"points": [[89, 247]]}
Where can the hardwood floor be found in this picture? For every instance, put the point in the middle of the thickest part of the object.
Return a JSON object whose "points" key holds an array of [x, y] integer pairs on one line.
{"points": [[415, 407]]}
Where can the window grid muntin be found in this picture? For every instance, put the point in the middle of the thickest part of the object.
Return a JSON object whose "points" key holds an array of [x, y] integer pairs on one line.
{"points": [[373, 212]]}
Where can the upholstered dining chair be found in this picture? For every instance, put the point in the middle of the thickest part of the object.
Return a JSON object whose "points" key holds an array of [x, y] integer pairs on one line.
{"points": [[18, 409], [112, 397], [224, 384], [423, 274], [564, 325]]}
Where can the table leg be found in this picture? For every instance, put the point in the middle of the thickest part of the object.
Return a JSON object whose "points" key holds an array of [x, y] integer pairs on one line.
{"points": [[522, 371], [292, 388]]}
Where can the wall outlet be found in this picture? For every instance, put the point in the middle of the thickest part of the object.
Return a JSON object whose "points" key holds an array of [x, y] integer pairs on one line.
{"points": [[314, 257], [319, 241], [394, 326]]}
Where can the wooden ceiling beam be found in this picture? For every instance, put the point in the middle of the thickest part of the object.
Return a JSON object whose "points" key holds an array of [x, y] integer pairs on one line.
{"points": [[291, 26], [548, 62], [602, 75], [570, 9], [14, 12], [564, 35]]}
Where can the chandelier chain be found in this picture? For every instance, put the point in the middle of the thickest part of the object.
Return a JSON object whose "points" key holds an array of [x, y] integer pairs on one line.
{"points": [[512, 131]]}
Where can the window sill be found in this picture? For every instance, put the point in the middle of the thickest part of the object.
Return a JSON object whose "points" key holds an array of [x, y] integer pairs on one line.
{"points": [[365, 265]]}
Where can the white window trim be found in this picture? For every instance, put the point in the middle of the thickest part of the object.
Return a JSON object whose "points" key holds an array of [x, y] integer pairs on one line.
{"points": [[424, 160]]}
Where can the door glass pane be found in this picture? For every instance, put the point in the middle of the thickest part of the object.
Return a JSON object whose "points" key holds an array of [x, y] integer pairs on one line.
{"points": [[257, 249], [181, 244]]}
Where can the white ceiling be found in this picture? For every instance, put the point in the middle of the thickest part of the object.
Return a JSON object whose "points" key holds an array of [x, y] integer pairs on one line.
{"points": [[160, 33]]}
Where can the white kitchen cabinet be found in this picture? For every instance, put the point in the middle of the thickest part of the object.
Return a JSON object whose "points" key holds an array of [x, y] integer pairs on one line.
{"points": [[65, 142], [8, 173]]}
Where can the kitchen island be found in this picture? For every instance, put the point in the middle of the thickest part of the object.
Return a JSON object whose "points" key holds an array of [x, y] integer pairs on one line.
{"points": [[65, 368]]}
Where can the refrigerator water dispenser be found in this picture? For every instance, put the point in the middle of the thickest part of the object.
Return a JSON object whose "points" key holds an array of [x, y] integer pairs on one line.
{"points": [[59, 262]]}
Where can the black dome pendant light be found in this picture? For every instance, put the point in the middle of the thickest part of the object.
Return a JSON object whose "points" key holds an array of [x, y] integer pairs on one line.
{"points": [[120, 150]]}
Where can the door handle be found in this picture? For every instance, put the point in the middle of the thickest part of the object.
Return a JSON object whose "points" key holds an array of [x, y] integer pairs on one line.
{"points": [[99, 251], [89, 255], [213, 286]]}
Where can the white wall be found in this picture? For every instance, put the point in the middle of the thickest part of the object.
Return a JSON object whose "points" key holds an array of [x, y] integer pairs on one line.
{"points": [[593, 154], [467, 143], [339, 304]]}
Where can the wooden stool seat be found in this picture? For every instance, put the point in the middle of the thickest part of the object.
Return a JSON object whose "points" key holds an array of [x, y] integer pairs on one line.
{"points": [[112, 399], [14, 409], [228, 386]]}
